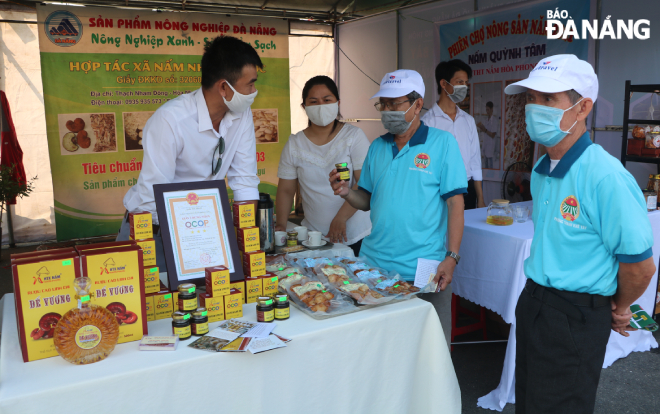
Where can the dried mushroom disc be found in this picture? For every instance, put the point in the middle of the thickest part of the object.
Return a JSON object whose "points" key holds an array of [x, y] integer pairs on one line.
{"points": [[69, 142], [83, 139], [76, 125]]}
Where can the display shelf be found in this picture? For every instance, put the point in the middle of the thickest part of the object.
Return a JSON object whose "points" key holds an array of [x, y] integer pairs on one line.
{"points": [[629, 90]]}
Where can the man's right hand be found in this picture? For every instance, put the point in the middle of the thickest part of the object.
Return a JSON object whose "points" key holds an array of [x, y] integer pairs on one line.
{"points": [[339, 187]]}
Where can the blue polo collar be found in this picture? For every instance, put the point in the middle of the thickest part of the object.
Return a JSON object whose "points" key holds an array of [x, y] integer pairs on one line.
{"points": [[419, 137], [566, 161]]}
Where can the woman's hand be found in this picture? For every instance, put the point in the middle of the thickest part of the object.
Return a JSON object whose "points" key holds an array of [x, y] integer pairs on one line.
{"points": [[337, 231], [280, 228]]}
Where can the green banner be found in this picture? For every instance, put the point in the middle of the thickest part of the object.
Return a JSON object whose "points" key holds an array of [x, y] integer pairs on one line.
{"points": [[105, 71]]}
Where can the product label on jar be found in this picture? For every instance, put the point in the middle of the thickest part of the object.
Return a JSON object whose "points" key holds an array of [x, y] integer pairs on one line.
{"points": [[266, 316], [282, 313], [187, 304], [200, 328], [345, 175], [88, 337], [291, 242], [652, 202], [181, 332]]}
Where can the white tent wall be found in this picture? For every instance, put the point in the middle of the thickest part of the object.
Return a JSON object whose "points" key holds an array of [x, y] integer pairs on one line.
{"points": [[308, 57], [371, 45], [20, 78]]}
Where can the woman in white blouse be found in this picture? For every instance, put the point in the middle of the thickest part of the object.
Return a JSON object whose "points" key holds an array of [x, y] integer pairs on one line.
{"points": [[307, 159]]}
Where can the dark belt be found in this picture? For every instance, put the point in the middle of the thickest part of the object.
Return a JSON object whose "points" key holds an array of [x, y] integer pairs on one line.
{"points": [[156, 227], [566, 302]]}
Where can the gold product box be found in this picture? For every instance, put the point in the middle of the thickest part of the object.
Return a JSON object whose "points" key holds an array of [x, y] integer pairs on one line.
{"points": [[217, 280], [151, 280], [240, 285], [151, 310], [253, 289], [148, 251], [248, 239], [163, 304], [269, 284], [244, 214], [141, 225], [233, 304], [254, 263], [215, 306]]}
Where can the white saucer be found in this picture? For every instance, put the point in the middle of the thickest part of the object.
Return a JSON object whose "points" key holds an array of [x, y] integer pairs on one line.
{"points": [[312, 246]]}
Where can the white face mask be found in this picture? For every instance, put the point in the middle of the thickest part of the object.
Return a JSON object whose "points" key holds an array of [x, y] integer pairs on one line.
{"points": [[322, 115], [460, 92], [239, 102]]}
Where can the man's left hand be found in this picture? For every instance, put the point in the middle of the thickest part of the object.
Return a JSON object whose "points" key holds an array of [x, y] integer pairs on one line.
{"points": [[445, 273], [480, 203], [621, 320]]}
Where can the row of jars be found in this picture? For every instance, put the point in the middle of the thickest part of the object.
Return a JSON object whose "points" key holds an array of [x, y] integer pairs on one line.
{"points": [[651, 192], [189, 320]]}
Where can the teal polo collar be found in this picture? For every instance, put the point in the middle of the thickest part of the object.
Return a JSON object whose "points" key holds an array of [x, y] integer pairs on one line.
{"points": [[419, 137], [567, 160]]}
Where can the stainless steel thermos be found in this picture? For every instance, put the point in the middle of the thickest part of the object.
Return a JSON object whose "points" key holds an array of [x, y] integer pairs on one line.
{"points": [[266, 223]]}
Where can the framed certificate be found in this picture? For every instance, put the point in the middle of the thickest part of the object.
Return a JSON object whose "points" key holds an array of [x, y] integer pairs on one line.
{"points": [[197, 229]]}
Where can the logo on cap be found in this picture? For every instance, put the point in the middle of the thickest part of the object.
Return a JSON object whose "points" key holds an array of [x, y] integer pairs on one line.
{"points": [[392, 77], [547, 62]]}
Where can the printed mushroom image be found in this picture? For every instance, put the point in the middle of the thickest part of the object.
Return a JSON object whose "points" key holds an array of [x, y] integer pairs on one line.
{"points": [[120, 312], [265, 125], [76, 125], [70, 142], [46, 326], [83, 140]]}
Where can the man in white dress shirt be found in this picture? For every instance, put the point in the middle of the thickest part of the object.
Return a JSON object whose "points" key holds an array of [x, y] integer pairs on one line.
{"points": [[204, 135], [452, 78], [488, 131]]}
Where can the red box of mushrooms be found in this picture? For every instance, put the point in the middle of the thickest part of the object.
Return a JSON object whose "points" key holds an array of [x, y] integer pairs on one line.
{"points": [[43, 292]]}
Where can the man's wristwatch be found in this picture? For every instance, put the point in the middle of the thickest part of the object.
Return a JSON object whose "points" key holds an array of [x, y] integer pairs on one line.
{"points": [[453, 255]]}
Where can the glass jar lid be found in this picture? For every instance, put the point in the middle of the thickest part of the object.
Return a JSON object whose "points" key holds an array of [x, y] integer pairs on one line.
{"points": [[265, 301], [179, 316], [186, 288], [200, 313], [341, 165], [281, 299], [500, 202], [657, 177]]}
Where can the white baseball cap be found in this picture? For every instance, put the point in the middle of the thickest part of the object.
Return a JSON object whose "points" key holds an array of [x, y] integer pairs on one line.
{"points": [[559, 73], [400, 83]]}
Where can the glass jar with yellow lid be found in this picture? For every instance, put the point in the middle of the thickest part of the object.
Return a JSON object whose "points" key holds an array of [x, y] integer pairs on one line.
{"points": [[499, 213]]}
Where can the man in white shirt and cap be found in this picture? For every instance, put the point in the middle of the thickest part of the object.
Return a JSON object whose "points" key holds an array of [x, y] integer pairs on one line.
{"points": [[591, 256], [488, 130], [452, 78], [204, 135]]}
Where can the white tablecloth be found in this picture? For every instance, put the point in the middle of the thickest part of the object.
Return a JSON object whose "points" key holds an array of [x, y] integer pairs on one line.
{"points": [[391, 359], [491, 274]]}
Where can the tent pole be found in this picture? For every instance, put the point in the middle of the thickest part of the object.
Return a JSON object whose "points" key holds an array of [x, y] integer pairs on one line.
{"points": [[10, 226]]}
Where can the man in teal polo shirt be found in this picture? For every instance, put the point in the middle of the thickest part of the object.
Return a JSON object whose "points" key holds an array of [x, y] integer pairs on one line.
{"points": [[591, 254], [413, 181]]}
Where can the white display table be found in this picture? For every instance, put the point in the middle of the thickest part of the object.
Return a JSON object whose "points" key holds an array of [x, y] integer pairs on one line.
{"points": [[491, 275], [391, 359]]}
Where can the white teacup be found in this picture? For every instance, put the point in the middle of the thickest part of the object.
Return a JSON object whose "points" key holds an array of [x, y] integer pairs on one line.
{"points": [[302, 232], [314, 238], [280, 238]]}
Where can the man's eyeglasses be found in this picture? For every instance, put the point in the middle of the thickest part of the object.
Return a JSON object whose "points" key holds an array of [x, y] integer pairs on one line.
{"points": [[216, 160], [390, 106]]}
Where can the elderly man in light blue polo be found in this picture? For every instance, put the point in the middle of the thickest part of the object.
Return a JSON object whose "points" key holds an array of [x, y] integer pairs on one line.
{"points": [[591, 254], [413, 181]]}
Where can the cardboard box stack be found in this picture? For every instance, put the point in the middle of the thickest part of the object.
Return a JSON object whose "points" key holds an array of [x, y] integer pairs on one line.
{"points": [[253, 260], [141, 233]]}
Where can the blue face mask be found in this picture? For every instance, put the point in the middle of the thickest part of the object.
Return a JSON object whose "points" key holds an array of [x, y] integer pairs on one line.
{"points": [[543, 124]]}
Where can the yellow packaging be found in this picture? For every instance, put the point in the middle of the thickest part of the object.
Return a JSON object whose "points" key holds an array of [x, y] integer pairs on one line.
{"points": [[141, 226], [248, 239], [44, 293], [151, 280], [254, 263], [233, 305], [215, 306], [163, 305], [240, 285], [244, 214], [151, 310], [148, 251], [175, 300], [217, 280], [269, 284], [118, 280], [253, 289]]}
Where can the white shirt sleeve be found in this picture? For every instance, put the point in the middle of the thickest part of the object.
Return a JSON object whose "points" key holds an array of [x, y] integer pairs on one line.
{"points": [[474, 164], [242, 174], [161, 150], [359, 149], [287, 168]]}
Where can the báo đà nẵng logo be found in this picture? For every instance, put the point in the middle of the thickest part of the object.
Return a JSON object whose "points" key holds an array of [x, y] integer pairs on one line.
{"points": [[570, 208], [63, 28], [607, 29], [422, 160]]}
